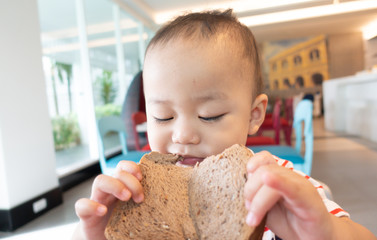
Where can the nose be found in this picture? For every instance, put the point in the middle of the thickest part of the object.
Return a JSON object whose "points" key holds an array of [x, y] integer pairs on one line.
{"points": [[185, 132]]}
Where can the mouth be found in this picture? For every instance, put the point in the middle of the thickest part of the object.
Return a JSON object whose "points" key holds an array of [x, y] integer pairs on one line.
{"points": [[190, 161]]}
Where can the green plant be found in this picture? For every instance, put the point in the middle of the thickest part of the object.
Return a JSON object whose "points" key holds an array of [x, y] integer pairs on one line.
{"points": [[53, 81], [67, 68], [107, 89], [107, 110], [66, 131]]}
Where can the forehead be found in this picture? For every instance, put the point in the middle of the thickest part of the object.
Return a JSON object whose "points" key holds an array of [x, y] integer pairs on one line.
{"points": [[195, 40], [183, 65], [194, 54]]}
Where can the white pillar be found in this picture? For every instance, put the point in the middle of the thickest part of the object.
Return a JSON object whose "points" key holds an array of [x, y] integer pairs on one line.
{"points": [[28, 181], [141, 44], [86, 113], [123, 85]]}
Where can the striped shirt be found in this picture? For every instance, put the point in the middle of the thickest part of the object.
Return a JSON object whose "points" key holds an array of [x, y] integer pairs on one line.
{"points": [[331, 206]]}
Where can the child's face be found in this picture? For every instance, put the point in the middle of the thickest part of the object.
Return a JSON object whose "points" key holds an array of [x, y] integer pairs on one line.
{"points": [[198, 99]]}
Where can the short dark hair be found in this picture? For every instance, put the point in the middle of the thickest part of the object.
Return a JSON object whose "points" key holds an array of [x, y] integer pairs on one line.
{"points": [[206, 25]]}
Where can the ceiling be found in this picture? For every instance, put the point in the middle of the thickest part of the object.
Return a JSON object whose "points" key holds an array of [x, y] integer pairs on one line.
{"points": [[270, 20]]}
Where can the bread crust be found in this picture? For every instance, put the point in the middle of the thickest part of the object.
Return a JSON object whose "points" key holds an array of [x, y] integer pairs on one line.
{"points": [[185, 203]]}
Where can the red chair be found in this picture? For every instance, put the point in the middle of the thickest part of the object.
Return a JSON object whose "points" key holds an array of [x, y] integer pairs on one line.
{"points": [[272, 123], [139, 118], [259, 141], [286, 122]]}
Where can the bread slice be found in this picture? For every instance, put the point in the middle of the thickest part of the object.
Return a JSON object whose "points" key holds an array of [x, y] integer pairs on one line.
{"points": [[216, 195], [164, 214], [204, 202]]}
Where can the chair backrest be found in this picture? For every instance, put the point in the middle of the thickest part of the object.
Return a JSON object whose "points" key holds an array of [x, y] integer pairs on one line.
{"points": [[110, 124], [276, 114], [276, 120], [131, 104], [289, 109], [304, 113], [137, 118]]}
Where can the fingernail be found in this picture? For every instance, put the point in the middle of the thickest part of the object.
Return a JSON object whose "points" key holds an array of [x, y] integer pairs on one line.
{"points": [[139, 198], [125, 195], [250, 167], [250, 219], [101, 210], [139, 176]]}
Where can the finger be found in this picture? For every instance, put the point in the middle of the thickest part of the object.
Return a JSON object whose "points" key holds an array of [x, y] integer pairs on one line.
{"points": [[130, 167], [253, 184], [106, 189], [260, 159], [259, 198], [132, 184], [299, 194], [262, 202], [86, 208]]}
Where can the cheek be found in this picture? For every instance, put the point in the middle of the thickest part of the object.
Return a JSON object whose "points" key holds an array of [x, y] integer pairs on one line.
{"points": [[158, 139], [225, 136]]}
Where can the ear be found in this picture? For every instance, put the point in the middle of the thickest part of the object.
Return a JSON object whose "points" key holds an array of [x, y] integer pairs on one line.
{"points": [[258, 111]]}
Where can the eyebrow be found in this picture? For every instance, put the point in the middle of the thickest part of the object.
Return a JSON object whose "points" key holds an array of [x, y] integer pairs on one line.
{"points": [[200, 98], [211, 96], [158, 101]]}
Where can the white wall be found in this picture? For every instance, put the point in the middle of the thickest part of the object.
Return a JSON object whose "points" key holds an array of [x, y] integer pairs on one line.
{"points": [[27, 157], [3, 186], [347, 110], [371, 53]]}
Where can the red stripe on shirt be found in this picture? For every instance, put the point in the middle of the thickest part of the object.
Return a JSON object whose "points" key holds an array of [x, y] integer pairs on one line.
{"points": [[285, 163], [337, 210]]}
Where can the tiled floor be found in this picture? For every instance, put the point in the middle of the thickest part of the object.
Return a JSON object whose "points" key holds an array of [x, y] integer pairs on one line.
{"points": [[348, 165]]}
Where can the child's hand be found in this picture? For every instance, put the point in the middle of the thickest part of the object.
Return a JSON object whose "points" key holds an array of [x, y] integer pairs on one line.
{"points": [[95, 212], [293, 206]]}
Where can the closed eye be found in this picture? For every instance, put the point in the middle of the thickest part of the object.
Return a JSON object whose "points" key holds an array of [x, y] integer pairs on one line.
{"points": [[163, 119], [212, 119]]}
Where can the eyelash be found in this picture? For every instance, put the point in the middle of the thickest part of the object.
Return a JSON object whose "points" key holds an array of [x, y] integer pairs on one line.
{"points": [[162, 120], [212, 119], [207, 119]]}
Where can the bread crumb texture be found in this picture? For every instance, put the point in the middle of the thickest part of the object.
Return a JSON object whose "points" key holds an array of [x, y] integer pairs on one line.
{"points": [[204, 202], [217, 203]]}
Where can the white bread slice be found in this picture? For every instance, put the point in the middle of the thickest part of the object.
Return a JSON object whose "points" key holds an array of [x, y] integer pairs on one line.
{"points": [[204, 202]]}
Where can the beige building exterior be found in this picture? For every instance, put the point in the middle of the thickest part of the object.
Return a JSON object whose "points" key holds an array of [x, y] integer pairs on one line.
{"points": [[303, 65]]}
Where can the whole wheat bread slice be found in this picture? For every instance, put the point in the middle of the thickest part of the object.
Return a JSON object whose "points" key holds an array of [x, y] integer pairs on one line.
{"points": [[204, 202]]}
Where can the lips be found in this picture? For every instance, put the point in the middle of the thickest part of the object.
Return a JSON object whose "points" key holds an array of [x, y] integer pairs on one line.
{"points": [[191, 161]]}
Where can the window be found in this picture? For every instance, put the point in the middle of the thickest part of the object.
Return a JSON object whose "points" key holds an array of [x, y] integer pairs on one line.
{"points": [[286, 83], [72, 79], [317, 79], [314, 55], [299, 83], [284, 64], [297, 60], [276, 84]]}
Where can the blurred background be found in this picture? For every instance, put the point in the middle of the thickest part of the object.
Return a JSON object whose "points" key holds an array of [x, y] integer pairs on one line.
{"points": [[66, 64]]}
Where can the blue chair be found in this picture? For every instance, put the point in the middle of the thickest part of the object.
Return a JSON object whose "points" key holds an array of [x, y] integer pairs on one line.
{"points": [[303, 113], [109, 124]]}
